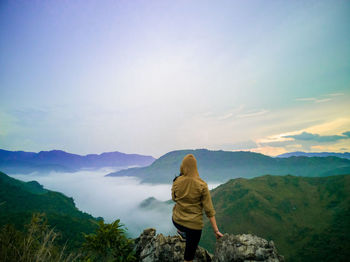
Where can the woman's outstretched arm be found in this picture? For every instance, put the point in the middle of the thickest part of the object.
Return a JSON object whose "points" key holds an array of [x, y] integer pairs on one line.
{"points": [[215, 227]]}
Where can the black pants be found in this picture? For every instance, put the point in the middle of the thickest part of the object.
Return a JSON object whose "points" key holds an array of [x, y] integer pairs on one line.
{"points": [[192, 239]]}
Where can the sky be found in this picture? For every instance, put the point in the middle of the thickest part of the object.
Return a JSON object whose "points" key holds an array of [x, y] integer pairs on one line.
{"points": [[150, 77]]}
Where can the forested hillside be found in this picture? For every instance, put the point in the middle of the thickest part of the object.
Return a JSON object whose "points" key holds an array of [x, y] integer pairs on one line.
{"points": [[19, 200], [307, 218]]}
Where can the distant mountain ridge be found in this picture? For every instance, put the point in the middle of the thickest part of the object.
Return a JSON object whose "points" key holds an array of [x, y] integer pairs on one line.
{"points": [[321, 154], [220, 166], [58, 160]]}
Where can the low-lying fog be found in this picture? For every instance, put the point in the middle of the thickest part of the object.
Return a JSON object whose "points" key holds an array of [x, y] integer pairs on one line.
{"points": [[112, 197]]}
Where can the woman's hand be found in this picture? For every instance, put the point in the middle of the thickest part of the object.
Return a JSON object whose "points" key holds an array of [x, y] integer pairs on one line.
{"points": [[218, 234], [215, 227]]}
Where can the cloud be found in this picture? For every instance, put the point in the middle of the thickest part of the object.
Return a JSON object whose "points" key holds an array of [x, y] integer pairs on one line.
{"points": [[270, 150], [230, 114], [322, 99], [224, 117], [306, 99], [347, 133], [314, 99], [238, 112], [281, 143], [235, 113], [244, 145], [335, 94], [30, 115], [112, 197], [305, 136], [253, 114]]}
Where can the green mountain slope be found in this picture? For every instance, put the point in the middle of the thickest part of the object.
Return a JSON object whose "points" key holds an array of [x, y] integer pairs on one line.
{"points": [[18, 200], [307, 218], [220, 166]]}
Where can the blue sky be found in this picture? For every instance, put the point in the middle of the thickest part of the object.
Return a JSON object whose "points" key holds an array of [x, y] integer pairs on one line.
{"points": [[154, 76]]}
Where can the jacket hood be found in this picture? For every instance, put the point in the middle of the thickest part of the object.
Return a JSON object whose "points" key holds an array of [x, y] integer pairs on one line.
{"points": [[189, 166]]}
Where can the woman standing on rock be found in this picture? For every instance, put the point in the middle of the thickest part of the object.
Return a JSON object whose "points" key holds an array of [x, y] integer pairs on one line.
{"points": [[191, 195]]}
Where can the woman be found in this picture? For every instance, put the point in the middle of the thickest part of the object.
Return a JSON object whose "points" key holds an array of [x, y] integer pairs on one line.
{"points": [[191, 195]]}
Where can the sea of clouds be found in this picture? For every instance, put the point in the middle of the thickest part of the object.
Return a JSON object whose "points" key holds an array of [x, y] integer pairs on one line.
{"points": [[112, 197]]}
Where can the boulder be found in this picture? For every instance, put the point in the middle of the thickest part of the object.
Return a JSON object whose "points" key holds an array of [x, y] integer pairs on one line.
{"points": [[246, 247], [150, 247]]}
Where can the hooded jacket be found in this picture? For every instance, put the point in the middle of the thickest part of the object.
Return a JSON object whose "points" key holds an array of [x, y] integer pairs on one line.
{"points": [[191, 195]]}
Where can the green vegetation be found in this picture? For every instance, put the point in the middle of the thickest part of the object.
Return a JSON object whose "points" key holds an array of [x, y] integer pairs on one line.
{"points": [[307, 218], [19, 200], [220, 166], [109, 243], [36, 243], [42, 225]]}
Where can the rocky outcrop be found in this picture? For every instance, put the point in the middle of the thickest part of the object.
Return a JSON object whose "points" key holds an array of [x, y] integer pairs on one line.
{"points": [[150, 247], [245, 248]]}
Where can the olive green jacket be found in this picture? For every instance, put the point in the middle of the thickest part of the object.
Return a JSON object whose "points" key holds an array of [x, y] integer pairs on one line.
{"points": [[191, 195]]}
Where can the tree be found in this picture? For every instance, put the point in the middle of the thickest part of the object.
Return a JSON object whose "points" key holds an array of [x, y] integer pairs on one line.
{"points": [[109, 243]]}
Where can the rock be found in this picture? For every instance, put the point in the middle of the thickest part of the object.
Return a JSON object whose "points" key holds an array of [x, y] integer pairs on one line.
{"points": [[240, 248], [150, 247]]}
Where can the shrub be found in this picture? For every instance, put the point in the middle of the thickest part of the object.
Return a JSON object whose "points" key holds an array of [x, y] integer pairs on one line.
{"points": [[109, 243], [35, 244]]}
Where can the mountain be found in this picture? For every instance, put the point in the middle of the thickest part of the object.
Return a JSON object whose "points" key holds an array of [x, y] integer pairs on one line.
{"points": [[307, 218], [322, 154], [154, 204], [19, 200], [61, 161], [220, 166]]}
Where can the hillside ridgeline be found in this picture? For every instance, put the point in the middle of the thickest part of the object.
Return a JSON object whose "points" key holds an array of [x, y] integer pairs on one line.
{"points": [[308, 218], [318, 154], [19, 200], [57, 160], [220, 166]]}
